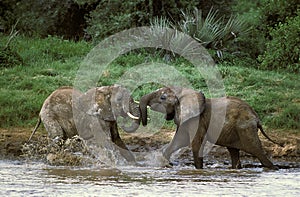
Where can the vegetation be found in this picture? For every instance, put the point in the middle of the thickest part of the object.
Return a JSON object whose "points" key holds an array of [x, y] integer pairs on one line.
{"points": [[212, 31], [41, 49], [53, 62], [50, 63], [284, 47]]}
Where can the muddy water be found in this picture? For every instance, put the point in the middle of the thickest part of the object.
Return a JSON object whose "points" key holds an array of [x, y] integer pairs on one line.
{"points": [[20, 178]]}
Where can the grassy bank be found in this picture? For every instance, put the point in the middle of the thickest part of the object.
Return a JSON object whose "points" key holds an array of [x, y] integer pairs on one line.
{"points": [[50, 63]]}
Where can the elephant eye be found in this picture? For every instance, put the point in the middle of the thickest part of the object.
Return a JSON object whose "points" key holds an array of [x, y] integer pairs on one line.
{"points": [[163, 97]]}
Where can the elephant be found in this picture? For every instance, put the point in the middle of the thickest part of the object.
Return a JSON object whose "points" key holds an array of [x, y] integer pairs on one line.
{"points": [[196, 118], [68, 112]]}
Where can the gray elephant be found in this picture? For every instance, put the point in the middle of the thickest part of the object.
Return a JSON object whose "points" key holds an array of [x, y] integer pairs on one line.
{"points": [[197, 121], [68, 112]]}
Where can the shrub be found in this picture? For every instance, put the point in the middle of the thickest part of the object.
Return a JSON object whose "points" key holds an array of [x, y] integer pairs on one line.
{"points": [[252, 43], [277, 11], [112, 16], [283, 50], [263, 16], [212, 31], [44, 17], [7, 15]]}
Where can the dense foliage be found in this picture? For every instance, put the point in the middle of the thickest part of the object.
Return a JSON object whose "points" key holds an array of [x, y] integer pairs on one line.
{"points": [[44, 17], [283, 50], [280, 22], [97, 19]]}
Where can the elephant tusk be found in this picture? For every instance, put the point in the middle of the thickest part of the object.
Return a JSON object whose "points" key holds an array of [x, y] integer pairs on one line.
{"points": [[132, 116], [137, 102]]}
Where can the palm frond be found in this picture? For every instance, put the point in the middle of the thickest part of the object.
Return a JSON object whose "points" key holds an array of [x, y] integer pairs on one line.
{"points": [[212, 30]]}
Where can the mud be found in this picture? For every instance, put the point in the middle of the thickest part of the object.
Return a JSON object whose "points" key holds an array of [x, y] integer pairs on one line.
{"points": [[12, 142]]}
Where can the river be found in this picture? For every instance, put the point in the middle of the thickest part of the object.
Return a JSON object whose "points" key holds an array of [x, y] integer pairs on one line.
{"points": [[24, 178]]}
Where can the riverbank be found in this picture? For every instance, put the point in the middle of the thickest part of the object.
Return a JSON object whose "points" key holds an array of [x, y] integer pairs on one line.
{"points": [[12, 140]]}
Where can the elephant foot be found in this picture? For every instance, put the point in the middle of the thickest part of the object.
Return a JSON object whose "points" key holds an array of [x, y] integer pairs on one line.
{"points": [[236, 165], [235, 158], [198, 163], [267, 163]]}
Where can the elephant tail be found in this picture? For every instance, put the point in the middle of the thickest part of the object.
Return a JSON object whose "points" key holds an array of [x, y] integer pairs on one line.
{"points": [[35, 128], [264, 133]]}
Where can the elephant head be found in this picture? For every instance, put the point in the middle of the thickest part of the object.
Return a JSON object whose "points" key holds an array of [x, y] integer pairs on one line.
{"points": [[177, 103], [181, 104], [111, 103]]}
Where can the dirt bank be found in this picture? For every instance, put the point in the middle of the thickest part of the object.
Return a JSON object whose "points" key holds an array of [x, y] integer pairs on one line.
{"points": [[12, 139]]}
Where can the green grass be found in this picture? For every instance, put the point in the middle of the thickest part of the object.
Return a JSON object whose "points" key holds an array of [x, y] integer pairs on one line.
{"points": [[47, 64], [273, 95], [52, 62]]}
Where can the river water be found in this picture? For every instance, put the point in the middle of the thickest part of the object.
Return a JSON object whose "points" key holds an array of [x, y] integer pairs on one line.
{"points": [[23, 178]]}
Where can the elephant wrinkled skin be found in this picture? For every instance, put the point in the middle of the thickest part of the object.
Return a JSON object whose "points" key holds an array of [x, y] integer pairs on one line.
{"points": [[68, 112], [238, 132]]}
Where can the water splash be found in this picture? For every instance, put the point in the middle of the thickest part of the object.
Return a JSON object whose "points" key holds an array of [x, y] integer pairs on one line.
{"points": [[74, 151], [152, 159]]}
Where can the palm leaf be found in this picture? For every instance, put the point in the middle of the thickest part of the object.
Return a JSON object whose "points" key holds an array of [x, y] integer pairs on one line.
{"points": [[213, 30]]}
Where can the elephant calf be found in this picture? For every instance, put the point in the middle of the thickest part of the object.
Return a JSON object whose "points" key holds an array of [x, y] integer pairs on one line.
{"points": [[239, 131], [68, 112], [226, 121]]}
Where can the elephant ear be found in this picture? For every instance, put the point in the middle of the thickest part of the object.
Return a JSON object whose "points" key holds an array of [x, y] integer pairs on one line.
{"points": [[191, 104], [97, 103], [120, 100]]}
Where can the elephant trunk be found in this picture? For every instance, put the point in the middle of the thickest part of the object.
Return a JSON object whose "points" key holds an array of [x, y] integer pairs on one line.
{"points": [[144, 101], [134, 115], [132, 127]]}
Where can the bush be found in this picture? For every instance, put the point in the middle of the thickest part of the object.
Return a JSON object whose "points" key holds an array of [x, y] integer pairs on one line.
{"points": [[212, 31], [263, 16], [283, 50], [44, 17], [252, 43], [7, 15], [277, 11], [112, 16]]}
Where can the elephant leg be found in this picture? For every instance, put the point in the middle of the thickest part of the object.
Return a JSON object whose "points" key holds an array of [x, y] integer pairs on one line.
{"points": [[176, 143], [181, 137], [198, 160], [115, 137], [198, 148], [260, 154], [235, 158], [53, 128], [253, 146]]}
